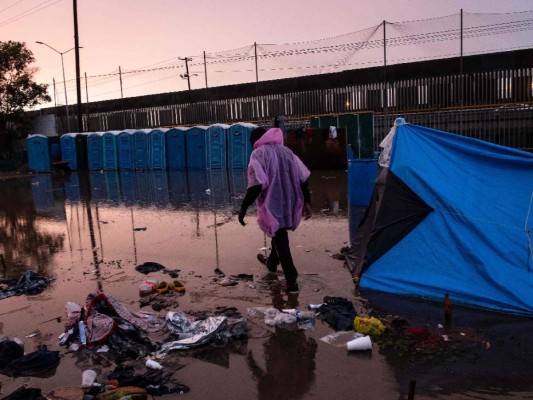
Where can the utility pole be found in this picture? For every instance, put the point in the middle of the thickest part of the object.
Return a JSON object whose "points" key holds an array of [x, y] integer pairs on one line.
{"points": [[256, 80], [186, 75], [205, 70], [87, 102], [122, 98], [77, 51], [385, 94]]}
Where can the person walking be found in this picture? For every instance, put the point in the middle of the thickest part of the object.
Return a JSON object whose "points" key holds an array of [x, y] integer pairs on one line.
{"points": [[278, 182]]}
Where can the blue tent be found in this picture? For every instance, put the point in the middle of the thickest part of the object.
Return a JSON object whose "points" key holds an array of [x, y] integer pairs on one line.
{"points": [[449, 214]]}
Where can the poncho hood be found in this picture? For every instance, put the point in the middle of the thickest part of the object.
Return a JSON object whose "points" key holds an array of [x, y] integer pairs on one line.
{"points": [[272, 136]]}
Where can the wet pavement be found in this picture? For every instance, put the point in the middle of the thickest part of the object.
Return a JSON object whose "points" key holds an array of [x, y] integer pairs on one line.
{"points": [[89, 231]]}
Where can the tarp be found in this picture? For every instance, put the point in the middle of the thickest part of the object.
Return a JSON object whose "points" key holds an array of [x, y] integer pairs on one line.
{"points": [[450, 214]]}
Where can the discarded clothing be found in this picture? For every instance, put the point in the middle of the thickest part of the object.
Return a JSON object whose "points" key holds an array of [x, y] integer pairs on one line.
{"points": [[10, 350], [30, 283], [101, 310], [23, 393], [155, 382], [192, 333], [280, 172], [33, 363], [338, 312], [148, 267]]}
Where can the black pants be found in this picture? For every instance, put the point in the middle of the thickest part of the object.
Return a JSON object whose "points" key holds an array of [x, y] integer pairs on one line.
{"points": [[281, 253]]}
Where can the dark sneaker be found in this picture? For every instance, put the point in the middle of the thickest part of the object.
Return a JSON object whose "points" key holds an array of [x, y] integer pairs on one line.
{"points": [[292, 288], [264, 260]]}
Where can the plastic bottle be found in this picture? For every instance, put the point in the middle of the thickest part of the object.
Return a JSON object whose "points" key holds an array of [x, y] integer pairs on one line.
{"points": [[304, 315], [153, 364], [301, 315], [83, 335]]}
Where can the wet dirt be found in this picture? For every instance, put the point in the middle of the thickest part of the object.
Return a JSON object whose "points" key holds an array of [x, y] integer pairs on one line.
{"points": [[89, 231]]}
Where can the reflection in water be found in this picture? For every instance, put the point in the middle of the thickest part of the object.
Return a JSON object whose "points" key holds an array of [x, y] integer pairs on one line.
{"points": [[290, 365], [23, 244], [27, 206]]}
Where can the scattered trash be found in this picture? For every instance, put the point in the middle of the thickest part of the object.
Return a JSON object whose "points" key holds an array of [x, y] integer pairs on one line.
{"points": [[207, 191], [33, 334], [229, 281], [139, 229], [149, 286], [87, 378], [359, 344], [152, 364], [340, 338], [368, 326], [29, 283]]}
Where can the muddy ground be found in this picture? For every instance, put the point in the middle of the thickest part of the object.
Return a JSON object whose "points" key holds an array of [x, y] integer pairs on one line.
{"points": [[88, 232]]}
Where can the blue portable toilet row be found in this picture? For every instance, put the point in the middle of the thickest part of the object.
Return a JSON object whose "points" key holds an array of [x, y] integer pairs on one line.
{"points": [[217, 146]]}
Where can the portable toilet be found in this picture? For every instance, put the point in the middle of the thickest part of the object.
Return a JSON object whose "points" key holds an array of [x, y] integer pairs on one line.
{"points": [[216, 146], [239, 147], [95, 158], [110, 150], [126, 155], [176, 154], [38, 153], [141, 146], [68, 150], [158, 152], [195, 143]]}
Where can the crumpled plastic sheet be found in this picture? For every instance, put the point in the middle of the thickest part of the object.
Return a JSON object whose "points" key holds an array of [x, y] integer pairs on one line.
{"points": [[192, 333], [272, 316]]}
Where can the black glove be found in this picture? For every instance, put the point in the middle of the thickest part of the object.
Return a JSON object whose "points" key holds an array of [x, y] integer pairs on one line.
{"points": [[242, 214]]}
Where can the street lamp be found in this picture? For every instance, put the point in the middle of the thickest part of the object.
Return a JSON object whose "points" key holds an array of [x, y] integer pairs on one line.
{"points": [[64, 81]]}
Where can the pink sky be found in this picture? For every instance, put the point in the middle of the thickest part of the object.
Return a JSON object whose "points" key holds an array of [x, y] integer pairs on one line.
{"points": [[135, 34]]}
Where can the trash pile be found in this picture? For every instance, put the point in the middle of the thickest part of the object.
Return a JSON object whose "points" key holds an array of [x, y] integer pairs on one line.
{"points": [[30, 283]]}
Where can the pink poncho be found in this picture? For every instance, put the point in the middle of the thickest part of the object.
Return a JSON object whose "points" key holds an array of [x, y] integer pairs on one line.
{"points": [[280, 172]]}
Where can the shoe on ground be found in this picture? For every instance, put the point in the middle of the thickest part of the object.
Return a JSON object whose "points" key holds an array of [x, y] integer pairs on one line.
{"points": [[264, 260], [292, 288]]}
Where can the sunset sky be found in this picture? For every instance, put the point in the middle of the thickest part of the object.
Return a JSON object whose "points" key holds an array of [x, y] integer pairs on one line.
{"points": [[136, 34]]}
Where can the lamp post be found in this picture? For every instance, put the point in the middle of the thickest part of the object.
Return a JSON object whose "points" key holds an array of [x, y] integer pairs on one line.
{"points": [[64, 81]]}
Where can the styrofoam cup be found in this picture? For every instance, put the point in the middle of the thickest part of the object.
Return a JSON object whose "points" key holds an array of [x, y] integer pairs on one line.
{"points": [[361, 343], [87, 378]]}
